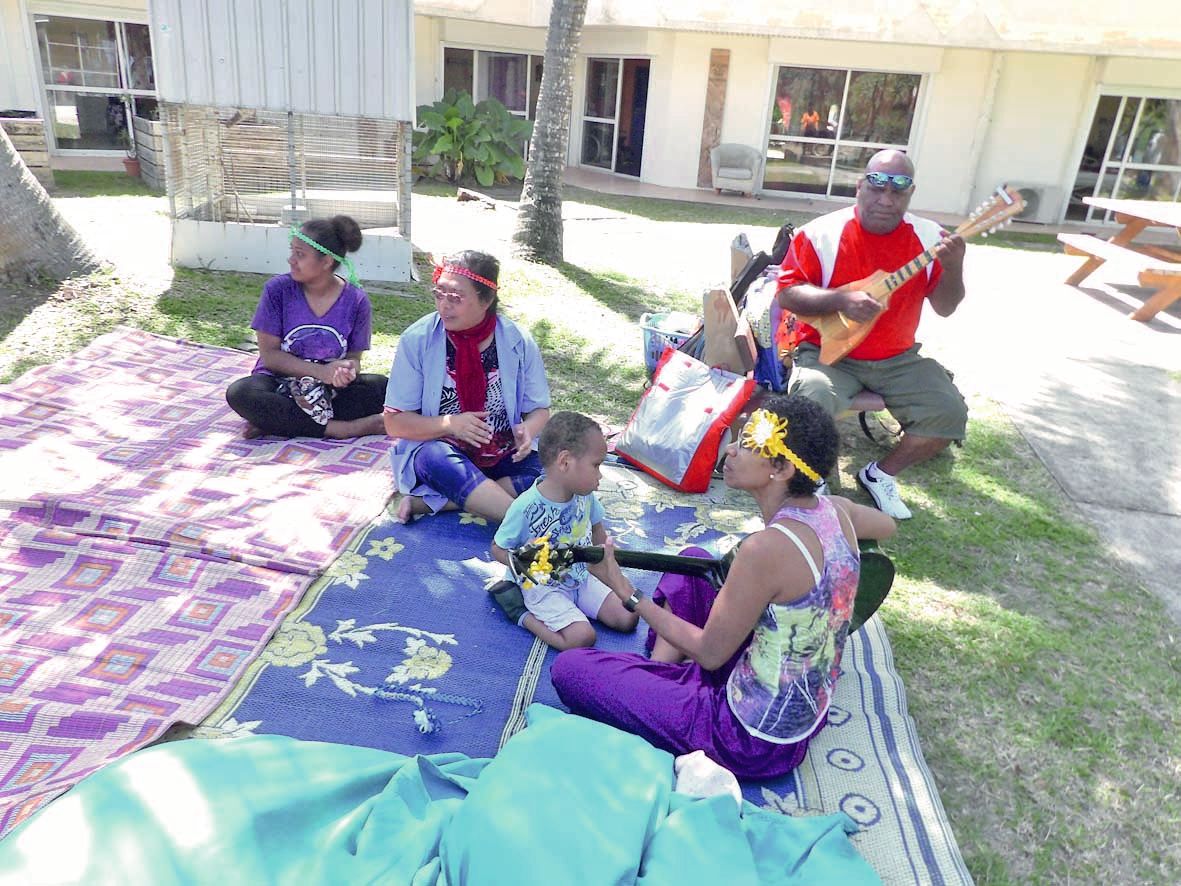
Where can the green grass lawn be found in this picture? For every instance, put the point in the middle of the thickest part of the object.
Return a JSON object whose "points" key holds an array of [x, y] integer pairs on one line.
{"points": [[1045, 681], [83, 183]]}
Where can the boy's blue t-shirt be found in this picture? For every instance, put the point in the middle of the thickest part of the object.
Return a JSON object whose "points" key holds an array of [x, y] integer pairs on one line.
{"points": [[532, 515]]}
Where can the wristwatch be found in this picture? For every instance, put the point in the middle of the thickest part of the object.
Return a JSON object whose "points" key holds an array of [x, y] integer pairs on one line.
{"points": [[633, 601]]}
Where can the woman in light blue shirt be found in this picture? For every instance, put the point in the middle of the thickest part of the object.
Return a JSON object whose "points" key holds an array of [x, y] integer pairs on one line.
{"points": [[467, 397]]}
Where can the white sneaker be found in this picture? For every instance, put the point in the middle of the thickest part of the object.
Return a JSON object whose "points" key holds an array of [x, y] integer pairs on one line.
{"points": [[883, 490]]}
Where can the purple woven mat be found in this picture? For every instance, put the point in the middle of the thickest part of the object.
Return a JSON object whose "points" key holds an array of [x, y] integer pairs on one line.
{"points": [[147, 551]]}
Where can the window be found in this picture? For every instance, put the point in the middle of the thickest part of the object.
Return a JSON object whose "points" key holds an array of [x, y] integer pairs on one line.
{"points": [[826, 124], [94, 73], [1133, 151], [511, 78]]}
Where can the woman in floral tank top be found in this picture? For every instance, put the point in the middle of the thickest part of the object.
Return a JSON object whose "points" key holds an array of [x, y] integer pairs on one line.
{"points": [[745, 673]]}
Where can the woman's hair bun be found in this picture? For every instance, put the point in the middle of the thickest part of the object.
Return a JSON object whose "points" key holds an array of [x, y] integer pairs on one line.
{"points": [[347, 231]]}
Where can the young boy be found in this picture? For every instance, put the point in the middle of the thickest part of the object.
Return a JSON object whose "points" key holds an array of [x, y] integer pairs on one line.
{"points": [[562, 507]]}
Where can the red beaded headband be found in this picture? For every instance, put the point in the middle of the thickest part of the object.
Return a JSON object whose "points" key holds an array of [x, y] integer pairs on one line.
{"points": [[449, 268]]}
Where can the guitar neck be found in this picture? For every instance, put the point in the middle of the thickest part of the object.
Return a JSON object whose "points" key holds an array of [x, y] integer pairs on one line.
{"points": [[895, 281], [892, 282], [701, 567]]}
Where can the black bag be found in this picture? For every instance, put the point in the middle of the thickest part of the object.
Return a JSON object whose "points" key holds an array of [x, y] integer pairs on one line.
{"points": [[694, 345]]}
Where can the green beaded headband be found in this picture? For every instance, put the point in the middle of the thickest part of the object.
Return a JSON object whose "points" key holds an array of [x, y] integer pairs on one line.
{"points": [[352, 278]]}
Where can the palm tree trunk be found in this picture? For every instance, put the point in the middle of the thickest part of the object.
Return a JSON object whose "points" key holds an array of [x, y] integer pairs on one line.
{"points": [[34, 238], [538, 236]]}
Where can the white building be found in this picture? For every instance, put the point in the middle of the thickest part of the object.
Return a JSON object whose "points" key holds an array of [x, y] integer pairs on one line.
{"points": [[271, 113], [1070, 99]]}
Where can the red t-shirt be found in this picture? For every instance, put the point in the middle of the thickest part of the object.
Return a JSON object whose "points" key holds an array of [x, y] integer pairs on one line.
{"points": [[834, 250]]}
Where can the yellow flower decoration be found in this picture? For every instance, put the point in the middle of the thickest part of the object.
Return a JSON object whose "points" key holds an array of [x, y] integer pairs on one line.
{"points": [[294, 644], [541, 568], [348, 569], [422, 662], [384, 548], [465, 517], [766, 434]]}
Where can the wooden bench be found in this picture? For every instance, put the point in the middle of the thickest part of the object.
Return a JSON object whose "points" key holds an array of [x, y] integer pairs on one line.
{"points": [[866, 403], [1153, 270]]}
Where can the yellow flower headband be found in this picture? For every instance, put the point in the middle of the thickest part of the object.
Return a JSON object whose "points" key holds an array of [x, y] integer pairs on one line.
{"points": [[766, 434]]}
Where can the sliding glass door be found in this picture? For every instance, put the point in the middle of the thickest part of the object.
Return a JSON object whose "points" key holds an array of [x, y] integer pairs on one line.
{"points": [[96, 75], [614, 114], [1133, 151]]}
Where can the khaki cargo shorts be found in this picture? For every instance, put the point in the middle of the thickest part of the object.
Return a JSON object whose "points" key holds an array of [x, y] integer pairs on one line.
{"points": [[918, 391]]}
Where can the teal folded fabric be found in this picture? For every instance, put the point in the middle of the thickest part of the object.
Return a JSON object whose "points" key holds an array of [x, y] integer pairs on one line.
{"points": [[566, 801], [576, 799], [262, 809]]}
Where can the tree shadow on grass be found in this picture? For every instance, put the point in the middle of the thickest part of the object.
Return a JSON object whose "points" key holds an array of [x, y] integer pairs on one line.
{"points": [[587, 377], [618, 294], [19, 298], [71, 309]]}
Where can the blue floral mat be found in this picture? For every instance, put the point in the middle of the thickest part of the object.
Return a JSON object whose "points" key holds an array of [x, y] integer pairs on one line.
{"points": [[399, 647]]}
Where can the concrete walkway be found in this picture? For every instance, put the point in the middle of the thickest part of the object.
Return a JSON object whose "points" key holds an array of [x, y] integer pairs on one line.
{"points": [[1097, 395]]}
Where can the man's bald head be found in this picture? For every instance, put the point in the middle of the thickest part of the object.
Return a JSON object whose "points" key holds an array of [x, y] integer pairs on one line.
{"points": [[890, 161]]}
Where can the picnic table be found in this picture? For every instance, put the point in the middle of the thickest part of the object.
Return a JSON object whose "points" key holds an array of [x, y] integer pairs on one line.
{"points": [[1155, 267]]}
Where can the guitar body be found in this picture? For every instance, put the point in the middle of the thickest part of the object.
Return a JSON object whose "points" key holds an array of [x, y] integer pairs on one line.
{"points": [[838, 334]]}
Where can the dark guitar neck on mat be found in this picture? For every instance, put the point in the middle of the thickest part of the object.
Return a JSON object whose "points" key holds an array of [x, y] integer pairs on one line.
{"points": [[877, 573], [703, 567], [876, 578]]}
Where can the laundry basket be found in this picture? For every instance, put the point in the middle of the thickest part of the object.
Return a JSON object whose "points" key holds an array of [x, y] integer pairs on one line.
{"points": [[665, 329]]}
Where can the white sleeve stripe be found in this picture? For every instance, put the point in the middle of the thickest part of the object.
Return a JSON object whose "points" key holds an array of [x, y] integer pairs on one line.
{"points": [[824, 234], [928, 232]]}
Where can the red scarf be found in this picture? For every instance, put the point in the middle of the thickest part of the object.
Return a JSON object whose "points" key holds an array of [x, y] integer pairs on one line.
{"points": [[471, 384]]}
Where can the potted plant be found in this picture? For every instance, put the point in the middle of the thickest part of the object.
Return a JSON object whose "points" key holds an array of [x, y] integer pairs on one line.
{"points": [[131, 162]]}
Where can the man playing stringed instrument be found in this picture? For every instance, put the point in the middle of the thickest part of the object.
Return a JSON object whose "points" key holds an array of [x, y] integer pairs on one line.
{"points": [[824, 280]]}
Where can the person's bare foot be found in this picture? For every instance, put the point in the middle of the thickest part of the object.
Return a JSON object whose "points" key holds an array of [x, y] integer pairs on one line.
{"points": [[410, 507], [250, 432]]}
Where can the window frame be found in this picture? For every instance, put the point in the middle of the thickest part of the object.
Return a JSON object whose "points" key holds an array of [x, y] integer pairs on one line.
{"points": [[532, 86], [1121, 167], [123, 72], [838, 142]]}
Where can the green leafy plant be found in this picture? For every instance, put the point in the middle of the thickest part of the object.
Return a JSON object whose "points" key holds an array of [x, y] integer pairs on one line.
{"points": [[457, 137]]}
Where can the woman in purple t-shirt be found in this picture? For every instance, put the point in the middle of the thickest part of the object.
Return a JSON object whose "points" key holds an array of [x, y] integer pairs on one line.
{"points": [[312, 328]]}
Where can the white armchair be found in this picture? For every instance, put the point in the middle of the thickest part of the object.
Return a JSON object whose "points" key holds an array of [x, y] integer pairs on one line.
{"points": [[736, 167]]}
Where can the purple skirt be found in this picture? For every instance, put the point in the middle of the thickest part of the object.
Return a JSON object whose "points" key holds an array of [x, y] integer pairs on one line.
{"points": [[678, 707]]}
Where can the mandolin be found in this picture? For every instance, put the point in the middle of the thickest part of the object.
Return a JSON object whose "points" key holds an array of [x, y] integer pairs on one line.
{"points": [[839, 335], [539, 562]]}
